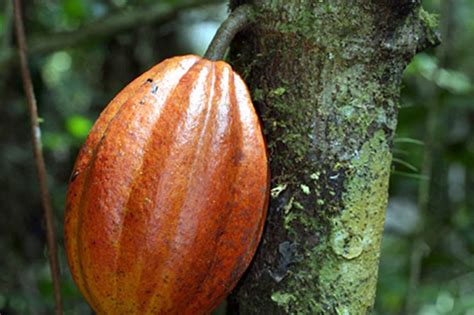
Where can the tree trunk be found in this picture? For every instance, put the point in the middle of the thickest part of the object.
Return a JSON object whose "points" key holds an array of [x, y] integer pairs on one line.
{"points": [[325, 78]]}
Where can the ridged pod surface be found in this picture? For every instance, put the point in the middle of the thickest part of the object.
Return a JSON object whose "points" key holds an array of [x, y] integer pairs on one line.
{"points": [[168, 196]]}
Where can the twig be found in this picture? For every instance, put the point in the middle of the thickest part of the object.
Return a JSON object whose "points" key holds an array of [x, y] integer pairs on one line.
{"points": [[105, 27], [39, 159], [236, 21]]}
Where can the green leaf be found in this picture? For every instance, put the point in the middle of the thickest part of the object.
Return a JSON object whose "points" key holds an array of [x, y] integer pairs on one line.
{"points": [[400, 151], [78, 126], [74, 9], [409, 140], [405, 163], [423, 64], [454, 81], [411, 175]]}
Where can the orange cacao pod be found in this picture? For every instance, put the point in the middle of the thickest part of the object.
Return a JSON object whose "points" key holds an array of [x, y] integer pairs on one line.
{"points": [[168, 196]]}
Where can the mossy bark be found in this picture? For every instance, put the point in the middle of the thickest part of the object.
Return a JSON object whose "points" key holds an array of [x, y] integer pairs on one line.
{"points": [[325, 78]]}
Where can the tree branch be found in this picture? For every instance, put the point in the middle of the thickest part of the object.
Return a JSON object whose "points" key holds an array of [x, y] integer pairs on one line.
{"points": [[110, 25], [39, 159]]}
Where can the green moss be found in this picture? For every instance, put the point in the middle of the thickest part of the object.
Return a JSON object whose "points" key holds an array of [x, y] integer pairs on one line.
{"points": [[431, 23], [278, 91], [284, 124], [282, 299], [306, 190], [431, 20], [346, 260], [364, 200], [278, 189], [356, 234]]}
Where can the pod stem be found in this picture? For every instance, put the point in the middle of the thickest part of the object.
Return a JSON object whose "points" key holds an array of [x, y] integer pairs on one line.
{"points": [[241, 17]]}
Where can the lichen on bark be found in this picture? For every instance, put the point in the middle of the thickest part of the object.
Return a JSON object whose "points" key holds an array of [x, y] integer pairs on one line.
{"points": [[325, 78]]}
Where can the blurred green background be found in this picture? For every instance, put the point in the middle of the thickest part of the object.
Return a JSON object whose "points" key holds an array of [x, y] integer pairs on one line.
{"points": [[427, 261]]}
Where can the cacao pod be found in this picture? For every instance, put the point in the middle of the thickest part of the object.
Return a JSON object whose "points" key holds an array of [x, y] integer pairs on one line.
{"points": [[168, 195]]}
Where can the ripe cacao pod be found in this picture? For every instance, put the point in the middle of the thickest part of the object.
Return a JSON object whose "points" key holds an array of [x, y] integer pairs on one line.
{"points": [[168, 195]]}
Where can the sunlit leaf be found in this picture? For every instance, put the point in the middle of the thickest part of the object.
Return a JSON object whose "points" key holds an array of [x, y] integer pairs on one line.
{"points": [[423, 64], [78, 126], [454, 81]]}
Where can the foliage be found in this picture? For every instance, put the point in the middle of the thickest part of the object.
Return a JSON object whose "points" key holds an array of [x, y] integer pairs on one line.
{"points": [[427, 262]]}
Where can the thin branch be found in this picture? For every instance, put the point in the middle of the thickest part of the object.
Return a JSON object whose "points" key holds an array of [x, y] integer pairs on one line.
{"points": [[39, 159], [105, 27], [237, 20]]}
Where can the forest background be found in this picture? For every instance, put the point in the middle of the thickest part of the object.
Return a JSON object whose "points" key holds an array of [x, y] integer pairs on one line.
{"points": [[84, 52]]}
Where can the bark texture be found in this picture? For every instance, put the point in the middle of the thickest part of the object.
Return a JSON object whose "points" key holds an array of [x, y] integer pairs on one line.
{"points": [[325, 77]]}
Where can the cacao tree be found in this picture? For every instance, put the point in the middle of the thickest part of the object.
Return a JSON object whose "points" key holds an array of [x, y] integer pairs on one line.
{"points": [[325, 77]]}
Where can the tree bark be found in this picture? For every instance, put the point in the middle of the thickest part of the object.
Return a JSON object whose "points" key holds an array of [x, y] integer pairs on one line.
{"points": [[325, 78]]}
